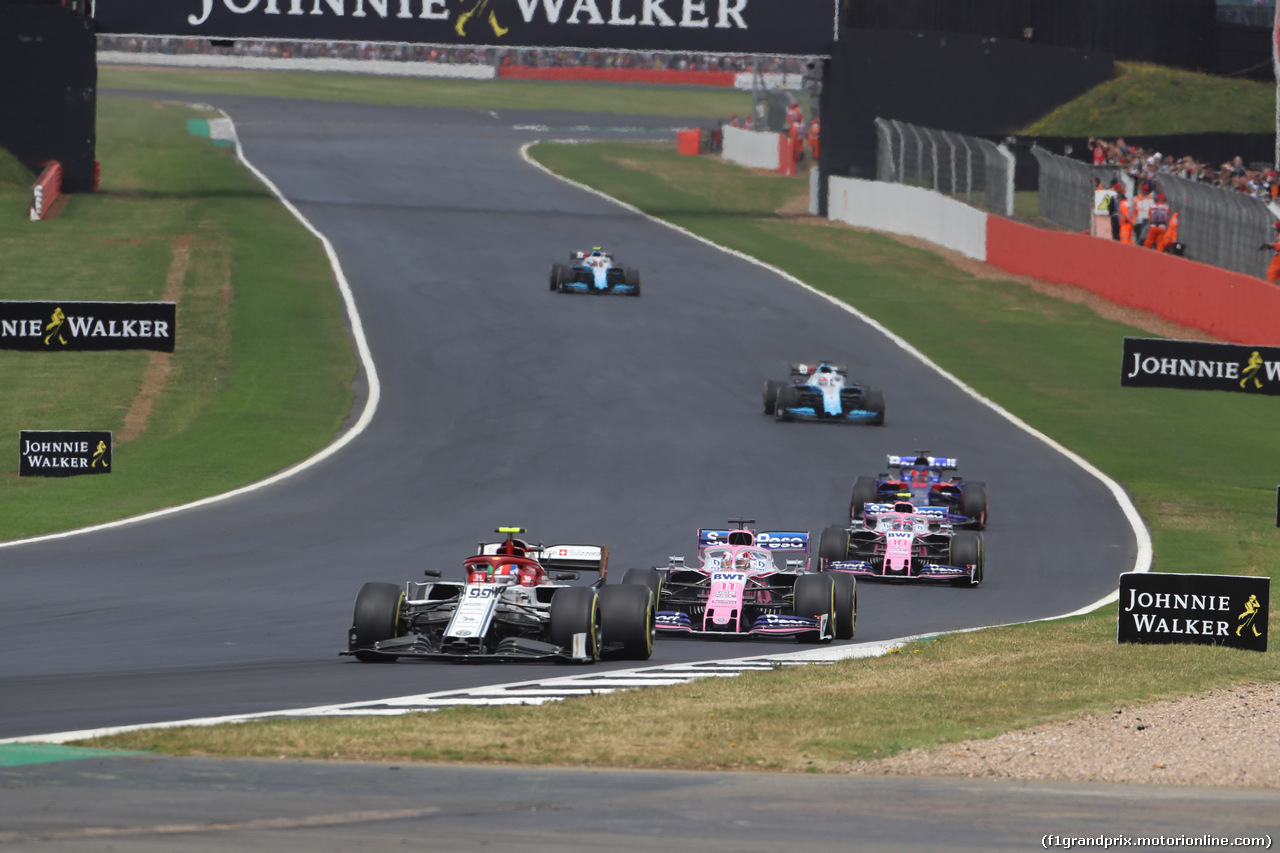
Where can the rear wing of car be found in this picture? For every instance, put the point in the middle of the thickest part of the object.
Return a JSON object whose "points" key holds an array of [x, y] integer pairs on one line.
{"points": [[942, 463], [801, 368], [772, 540], [574, 558], [871, 510]]}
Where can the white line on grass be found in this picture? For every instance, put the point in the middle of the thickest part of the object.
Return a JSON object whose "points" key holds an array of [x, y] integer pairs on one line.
{"points": [[1142, 561], [570, 685], [366, 361]]}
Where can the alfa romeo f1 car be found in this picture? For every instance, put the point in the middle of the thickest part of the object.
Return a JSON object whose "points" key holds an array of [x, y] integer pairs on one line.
{"points": [[510, 605], [738, 589], [902, 542], [823, 392], [922, 480], [594, 272]]}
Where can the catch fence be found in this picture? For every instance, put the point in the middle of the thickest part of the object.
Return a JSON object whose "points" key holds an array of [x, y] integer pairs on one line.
{"points": [[1217, 226], [974, 170]]}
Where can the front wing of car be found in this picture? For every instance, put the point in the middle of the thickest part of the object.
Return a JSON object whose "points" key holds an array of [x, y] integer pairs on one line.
{"points": [[939, 572], [511, 649], [765, 625]]}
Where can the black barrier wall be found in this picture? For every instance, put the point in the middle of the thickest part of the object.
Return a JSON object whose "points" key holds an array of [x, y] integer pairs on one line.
{"points": [[48, 90], [962, 83], [1180, 33]]}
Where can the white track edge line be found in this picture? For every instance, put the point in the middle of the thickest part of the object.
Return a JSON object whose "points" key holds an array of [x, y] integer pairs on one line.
{"points": [[366, 415], [1142, 560], [860, 650]]}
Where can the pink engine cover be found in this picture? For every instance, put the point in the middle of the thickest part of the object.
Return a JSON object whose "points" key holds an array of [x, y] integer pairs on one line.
{"points": [[897, 553], [724, 603]]}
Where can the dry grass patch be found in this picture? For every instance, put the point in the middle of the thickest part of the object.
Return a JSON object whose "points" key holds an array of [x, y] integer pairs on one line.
{"points": [[806, 719]]}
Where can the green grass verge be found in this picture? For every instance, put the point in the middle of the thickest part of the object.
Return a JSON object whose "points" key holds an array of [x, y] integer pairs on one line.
{"points": [[1053, 363], [259, 379], [700, 103], [1153, 100]]}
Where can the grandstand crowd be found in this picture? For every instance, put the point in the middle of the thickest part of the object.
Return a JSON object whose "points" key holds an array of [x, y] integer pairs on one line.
{"points": [[1259, 181], [497, 57]]}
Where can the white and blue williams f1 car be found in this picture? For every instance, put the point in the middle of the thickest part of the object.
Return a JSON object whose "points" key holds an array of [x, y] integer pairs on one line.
{"points": [[594, 272], [822, 391]]}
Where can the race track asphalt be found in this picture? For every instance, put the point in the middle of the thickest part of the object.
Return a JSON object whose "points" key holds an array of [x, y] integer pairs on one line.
{"points": [[183, 805], [625, 421]]}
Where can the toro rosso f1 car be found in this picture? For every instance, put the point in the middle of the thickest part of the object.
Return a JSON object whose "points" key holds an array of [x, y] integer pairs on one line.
{"points": [[738, 588], [902, 542], [510, 605], [823, 392], [594, 272], [922, 479]]}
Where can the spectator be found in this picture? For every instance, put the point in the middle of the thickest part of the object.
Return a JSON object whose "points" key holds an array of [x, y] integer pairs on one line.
{"points": [[1159, 222], [1273, 269], [1169, 240], [1117, 193], [1098, 150], [1142, 202], [1126, 219]]}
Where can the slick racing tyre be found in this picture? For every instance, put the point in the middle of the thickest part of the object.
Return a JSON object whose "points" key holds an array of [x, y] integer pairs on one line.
{"points": [[966, 550], [864, 492], [652, 578], [576, 610], [787, 399], [771, 388], [627, 625], [377, 618], [833, 544], [973, 503], [632, 279], [557, 275], [846, 604], [815, 595], [875, 403]]}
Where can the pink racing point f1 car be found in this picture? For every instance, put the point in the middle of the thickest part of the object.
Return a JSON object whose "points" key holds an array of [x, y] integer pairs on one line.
{"points": [[903, 542], [739, 588]]}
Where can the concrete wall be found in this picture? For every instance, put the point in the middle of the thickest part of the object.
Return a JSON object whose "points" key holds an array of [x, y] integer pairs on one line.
{"points": [[751, 148], [910, 211], [1228, 305]]}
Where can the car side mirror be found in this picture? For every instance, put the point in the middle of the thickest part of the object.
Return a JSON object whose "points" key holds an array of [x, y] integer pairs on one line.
{"points": [[432, 573], [567, 576]]}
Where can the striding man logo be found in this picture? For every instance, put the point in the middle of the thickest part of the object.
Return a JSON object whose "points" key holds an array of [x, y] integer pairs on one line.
{"points": [[475, 10], [1250, 371], [1251, 608], [54, 328], [100, 455]]}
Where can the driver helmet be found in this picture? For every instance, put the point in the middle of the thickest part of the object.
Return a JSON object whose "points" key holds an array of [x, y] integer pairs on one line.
{"points": [[742, 562], [507, 573], [596, 252]]}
